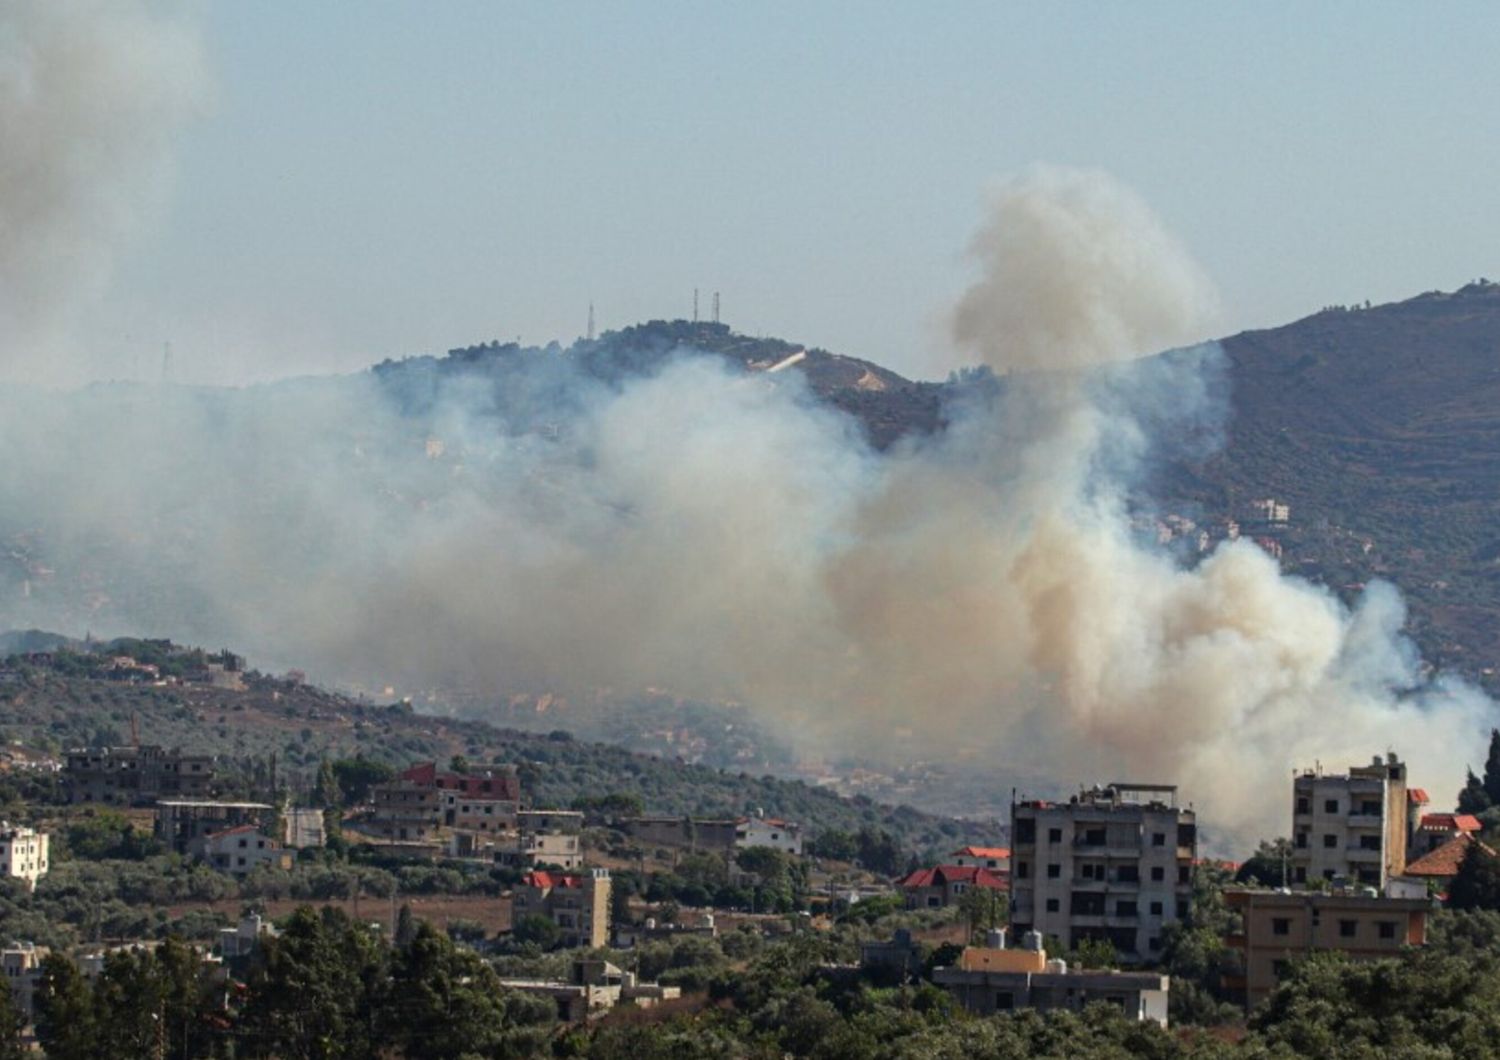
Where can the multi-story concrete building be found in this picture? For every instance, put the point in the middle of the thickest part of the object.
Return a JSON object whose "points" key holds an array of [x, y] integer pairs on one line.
{"points": [[993, 979], [406, 811], [240, 851], [501, 782], [1111, 864], [181, 821], [22, 963], [131, 776], [578, 904], [474, 814], [527, 849], [23, 853], [1350, 826], [1276, 926], [696, 833]]}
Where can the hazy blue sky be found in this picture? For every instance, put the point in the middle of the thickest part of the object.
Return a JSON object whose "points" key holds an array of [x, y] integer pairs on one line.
{"points": [[374, 179]]}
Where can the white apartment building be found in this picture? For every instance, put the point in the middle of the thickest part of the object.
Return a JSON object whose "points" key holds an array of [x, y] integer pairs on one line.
{"points": [[23, 853], [1112, 864], [772, 832], [1350, 826]]}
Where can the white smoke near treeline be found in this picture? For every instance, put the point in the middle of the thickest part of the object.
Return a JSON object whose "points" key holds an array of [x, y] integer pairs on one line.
{"points": [[719, 533], [91, 94]]}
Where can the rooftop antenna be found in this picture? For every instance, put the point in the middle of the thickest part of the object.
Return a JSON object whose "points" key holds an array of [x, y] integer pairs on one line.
{"points": [[716, 307], [591, 321], [695, 305]]}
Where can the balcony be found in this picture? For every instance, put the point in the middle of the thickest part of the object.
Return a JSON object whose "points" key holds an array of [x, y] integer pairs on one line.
{"points": [[1363, 854]]}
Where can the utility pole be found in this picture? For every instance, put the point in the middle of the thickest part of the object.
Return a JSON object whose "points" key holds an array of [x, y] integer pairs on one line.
{"points": [[716, 307], [695, 305], [591, 321]]}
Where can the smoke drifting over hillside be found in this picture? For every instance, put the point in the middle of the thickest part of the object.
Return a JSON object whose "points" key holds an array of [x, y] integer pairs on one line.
{"points": [[530, 525], [91, 94]]}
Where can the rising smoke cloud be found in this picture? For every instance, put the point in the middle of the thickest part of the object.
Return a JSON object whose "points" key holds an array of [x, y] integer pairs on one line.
{"points": [[725, 536], [91, 95]]}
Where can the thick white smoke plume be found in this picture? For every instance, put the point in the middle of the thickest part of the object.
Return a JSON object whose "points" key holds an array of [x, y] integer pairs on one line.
{"points": [[538, 526], [91, 93]]}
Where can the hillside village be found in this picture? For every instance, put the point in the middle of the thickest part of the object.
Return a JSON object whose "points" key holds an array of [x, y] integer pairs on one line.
{"points": [[124, 859]]}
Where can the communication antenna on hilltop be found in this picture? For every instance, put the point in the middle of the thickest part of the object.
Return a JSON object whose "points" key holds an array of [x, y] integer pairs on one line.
{"points": [[695, 305], [716, 307], [591, 321], [166, 361]]}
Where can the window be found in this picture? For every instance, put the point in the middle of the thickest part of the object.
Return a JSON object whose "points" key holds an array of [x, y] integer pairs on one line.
{"points": [[1094, 837], [1281, 925], [933, 901], [1054, 872], [1125, 907], [1128, 874], [1370, 807], [1158, 874], [1025, 830], [1299, 875], [1158, 839], [1182, 874], [1156, 909], [1347, 928], [1301, 840], [1280, 968], [1023, 870], [1330, 841], [1386, 929], [1369, 842], [1054, 835], [1331, 805], [1004, 1001], [1154, 942], [1053, 905]]}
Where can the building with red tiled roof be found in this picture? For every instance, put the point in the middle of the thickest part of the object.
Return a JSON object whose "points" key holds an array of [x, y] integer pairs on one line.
{"points": [[1436, 829], [1442, 864], [996, 859], [942, 885], [576, 903], [240, 850]]}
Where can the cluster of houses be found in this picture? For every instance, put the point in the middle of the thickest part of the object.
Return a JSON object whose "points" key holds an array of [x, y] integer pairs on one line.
{"points": [[1108, 869], [1113, 864]]}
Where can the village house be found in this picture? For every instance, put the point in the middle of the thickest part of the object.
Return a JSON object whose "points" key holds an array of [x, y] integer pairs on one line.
{"points": [[944, 885], [773, 832], [1435, 830], [179, 822], [23, 853], [531, 849], [592, 989], [1277, 926], [129, 776], [996, 859], [578, 904], [239, 851], [1112, 864], [501, 782], [22, 962], [1439, 865], [993, 978], [243, 940]]}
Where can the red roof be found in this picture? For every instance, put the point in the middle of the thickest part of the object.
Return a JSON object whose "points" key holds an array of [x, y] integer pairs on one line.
{"points": [[1451, 822], [1445, 860], [983, 852], [1418, 796], [943, 875], [551, 879]]}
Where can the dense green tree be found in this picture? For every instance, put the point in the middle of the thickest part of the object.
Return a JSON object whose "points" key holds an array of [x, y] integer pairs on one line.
{"points": [[1472, 798], [406, 927], [316, 988], [12, 1022], [64, 1011], [1492, 769], [326, 791], [1269, 866], [1477, 884], [536, 930], [445, 1003]]}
